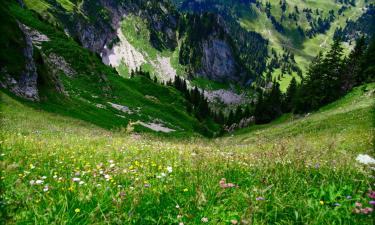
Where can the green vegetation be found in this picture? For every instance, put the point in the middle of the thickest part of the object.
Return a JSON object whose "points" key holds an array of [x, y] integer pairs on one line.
{"points": [[95, 86], [61, 170]]}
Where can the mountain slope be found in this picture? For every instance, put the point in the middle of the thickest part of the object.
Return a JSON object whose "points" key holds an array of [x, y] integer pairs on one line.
{"points": [[299, 171], [293, 28], [63, 77]]}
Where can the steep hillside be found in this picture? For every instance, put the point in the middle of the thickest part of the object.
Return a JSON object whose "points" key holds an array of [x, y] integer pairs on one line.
{"points": [[296, 30], [57, 169], [50, 68]]}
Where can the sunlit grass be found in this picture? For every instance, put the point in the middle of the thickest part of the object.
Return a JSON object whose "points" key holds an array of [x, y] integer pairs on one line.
{"points": [[60, 170]]}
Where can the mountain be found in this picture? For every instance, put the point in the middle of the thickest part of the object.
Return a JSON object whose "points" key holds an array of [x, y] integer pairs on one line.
{"points": [[296, 30], [187, 112]]}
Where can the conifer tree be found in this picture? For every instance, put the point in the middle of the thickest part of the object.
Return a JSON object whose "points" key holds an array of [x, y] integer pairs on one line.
{"points": [[367, 71], [290, 96], [351, 74]]}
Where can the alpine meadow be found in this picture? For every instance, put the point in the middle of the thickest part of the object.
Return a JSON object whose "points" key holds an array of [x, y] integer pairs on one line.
{"points": [[187, 112]]}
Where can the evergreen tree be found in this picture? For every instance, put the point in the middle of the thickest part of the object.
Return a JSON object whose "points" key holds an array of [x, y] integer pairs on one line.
{"points": [[290, 96], [367, 70], [332, 71], [352, 73]]}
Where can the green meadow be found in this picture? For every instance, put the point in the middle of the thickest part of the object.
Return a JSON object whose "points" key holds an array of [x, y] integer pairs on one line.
{"points": [[61, 170]]}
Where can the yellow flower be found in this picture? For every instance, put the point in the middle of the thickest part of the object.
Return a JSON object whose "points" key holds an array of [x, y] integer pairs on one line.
{"points": [[321, 202], [186, 190], [77, 210]]}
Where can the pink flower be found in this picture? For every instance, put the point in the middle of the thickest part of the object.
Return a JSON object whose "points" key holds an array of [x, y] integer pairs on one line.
{"points": [[223, 184], [371, 194], [234, 221], [358, 204], [366, 210], [371, 202]]}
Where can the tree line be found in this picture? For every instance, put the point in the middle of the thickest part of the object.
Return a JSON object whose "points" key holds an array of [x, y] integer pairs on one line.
{"points": [[329, 77]]}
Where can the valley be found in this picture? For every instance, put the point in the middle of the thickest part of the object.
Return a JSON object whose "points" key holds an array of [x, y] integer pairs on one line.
{"points": [[187, 112]]}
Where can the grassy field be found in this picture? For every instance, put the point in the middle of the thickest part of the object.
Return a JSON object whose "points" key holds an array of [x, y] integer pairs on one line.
{"points": [[59, 170]]}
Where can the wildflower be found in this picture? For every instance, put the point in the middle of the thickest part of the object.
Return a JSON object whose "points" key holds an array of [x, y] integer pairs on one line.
{"points": [[46, 188], [147, 185], [321, 202], [234, 221], [260, 199], [169, 169], [32, 182], [366, 210], [177, 206], [371, 195], [181, 223], [179, 216], [358, 204], [32, 166], [317, 166], [76, 179], [204, 220], [163, 174], [348, 197], [112, 165], [39, 182], [371, 202], [107, 176], [224, 184], [81, 183], [337, 204], [44, 177], [77, 210]]}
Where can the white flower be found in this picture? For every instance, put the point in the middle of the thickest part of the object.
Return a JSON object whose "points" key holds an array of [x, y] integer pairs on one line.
{"points": [[44, 177], [54, 177], [81, 182], [169, 169], [45, 189], [110, 161], [204, 219], [163, 174], [177, 206], [158, 177], [32, 182], [107, 176], [39, 182], [365, 159], [112, 165], [76, 179]]}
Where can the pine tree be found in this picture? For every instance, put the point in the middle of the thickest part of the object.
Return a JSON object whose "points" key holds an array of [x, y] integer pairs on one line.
{"points": [[332, 71], [351, 74], [367, 71], [290, 96]]}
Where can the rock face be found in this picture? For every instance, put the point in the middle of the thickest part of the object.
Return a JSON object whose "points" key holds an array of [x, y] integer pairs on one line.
{"points": [[25, 85], [122, 52], [100, 29], [218, 61]]}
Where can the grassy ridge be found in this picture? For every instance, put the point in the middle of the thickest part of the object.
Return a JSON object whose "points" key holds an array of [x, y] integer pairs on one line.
{"points": [[95, 85], [61, 170]]}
